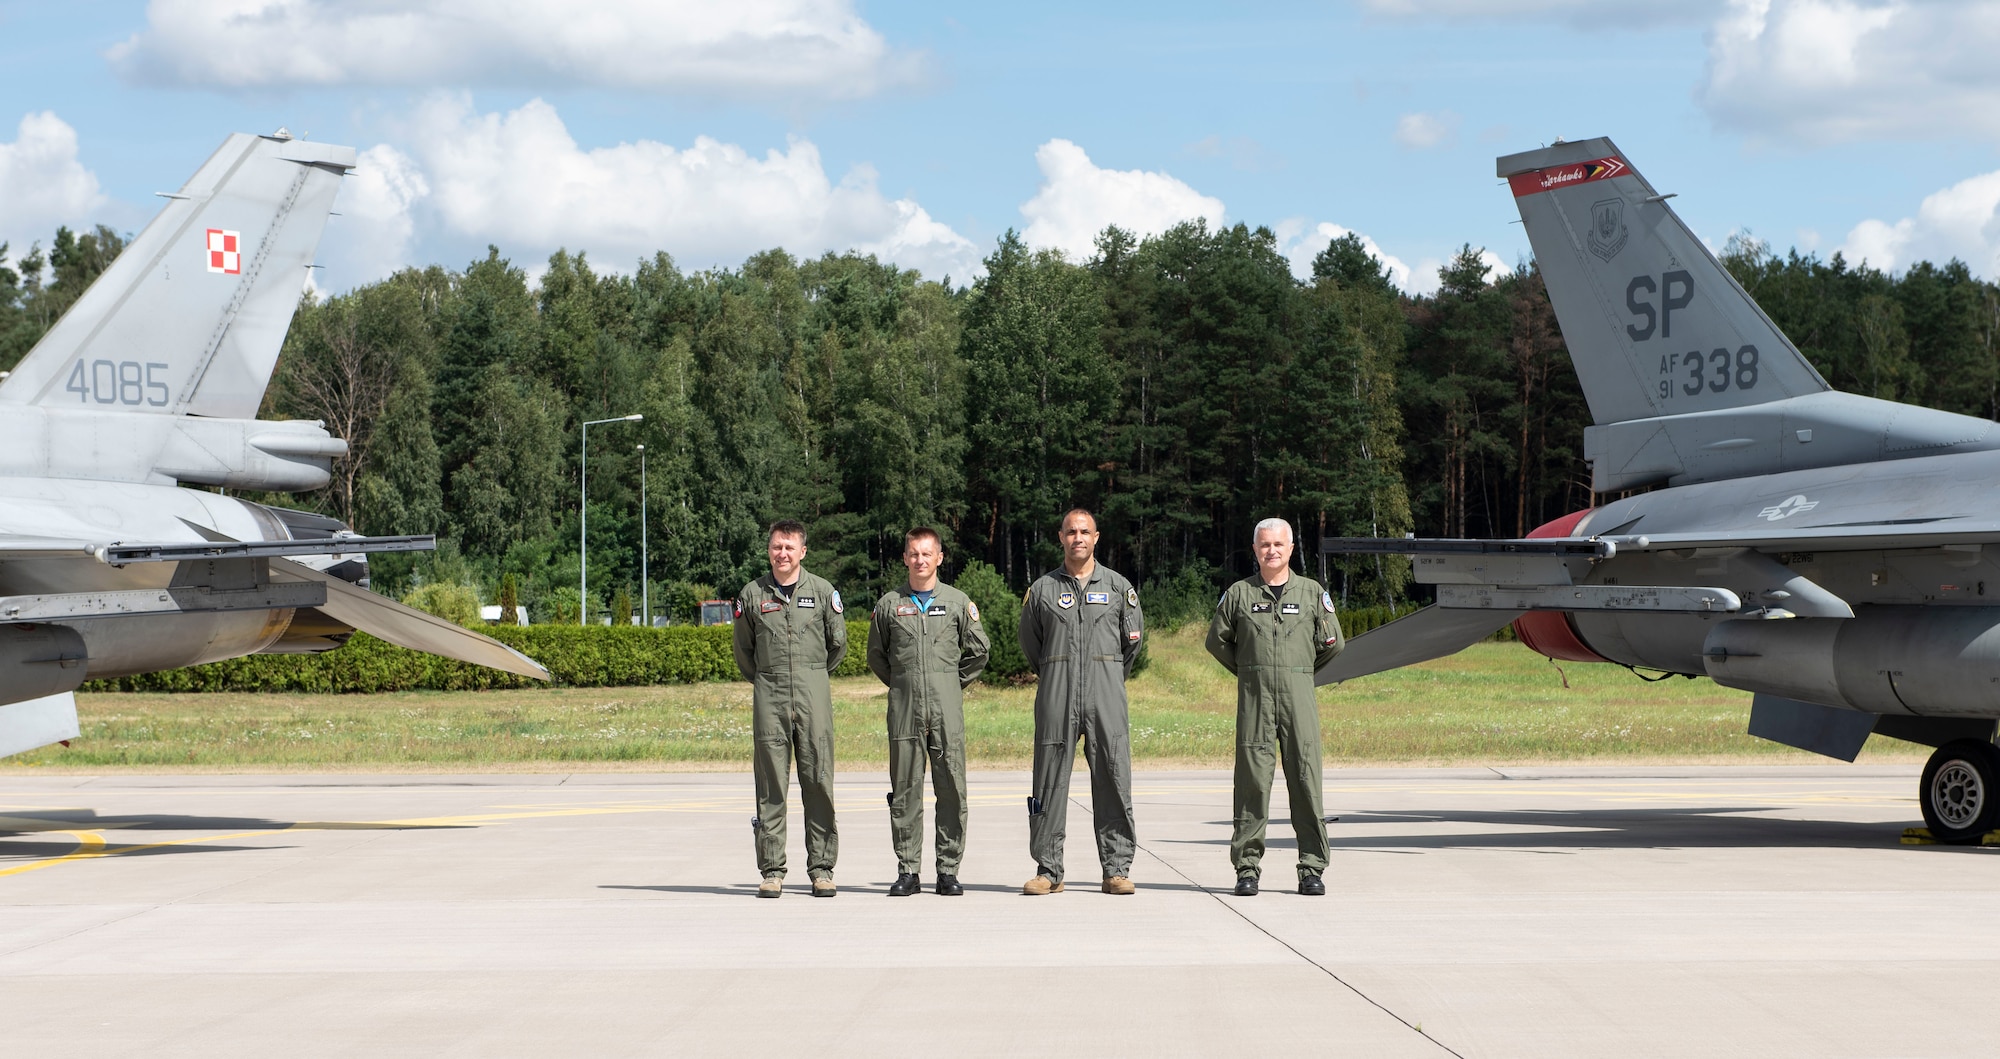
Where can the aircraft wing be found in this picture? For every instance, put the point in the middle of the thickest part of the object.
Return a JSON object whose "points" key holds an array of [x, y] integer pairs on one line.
{"points": [[119, 553], [1911, 533], [385, 619], [1432, 632]]}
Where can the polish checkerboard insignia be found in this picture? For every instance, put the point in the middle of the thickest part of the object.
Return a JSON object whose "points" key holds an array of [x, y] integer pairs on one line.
{"points": [[225, 253]]}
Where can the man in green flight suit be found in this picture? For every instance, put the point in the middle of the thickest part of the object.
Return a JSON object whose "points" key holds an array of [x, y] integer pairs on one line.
{"points": [[1273, 629], [789, 635], [1080, 631], [926, 643]]}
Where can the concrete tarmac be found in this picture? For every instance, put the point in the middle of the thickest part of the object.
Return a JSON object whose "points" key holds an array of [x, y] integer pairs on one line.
{"points": [[1473, 912]]}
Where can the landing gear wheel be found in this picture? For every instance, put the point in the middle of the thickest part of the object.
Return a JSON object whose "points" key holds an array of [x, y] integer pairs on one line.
{"points": [[1960, 791]]}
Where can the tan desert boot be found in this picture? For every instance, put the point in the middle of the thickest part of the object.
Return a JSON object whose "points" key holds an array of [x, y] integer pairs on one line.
{"points": [[824, 888], [1041, 884], [1118, 884], [772, 886]]}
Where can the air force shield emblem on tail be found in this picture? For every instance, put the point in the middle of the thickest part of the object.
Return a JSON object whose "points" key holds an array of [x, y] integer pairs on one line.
{"points": [[1607, 228]]}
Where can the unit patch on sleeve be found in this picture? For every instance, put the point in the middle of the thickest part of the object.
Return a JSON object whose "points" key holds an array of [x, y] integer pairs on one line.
{"points": [[838, 606], [1132, 597], [1326, 600], [972, 610]]}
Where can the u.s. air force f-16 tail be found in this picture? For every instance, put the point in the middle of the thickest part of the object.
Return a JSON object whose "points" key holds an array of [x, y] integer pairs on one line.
{"points": [[151, 381], [1833, 554]]}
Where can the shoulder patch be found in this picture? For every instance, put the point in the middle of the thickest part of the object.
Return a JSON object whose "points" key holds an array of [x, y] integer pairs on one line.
{"points": [[1132, 596], [1326, 600], [838, 606], [739, 609], [972, 610]]}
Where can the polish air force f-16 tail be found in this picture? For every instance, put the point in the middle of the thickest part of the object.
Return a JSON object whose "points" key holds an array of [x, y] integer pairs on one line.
{"points": [[1836, 555], [151, 381]]}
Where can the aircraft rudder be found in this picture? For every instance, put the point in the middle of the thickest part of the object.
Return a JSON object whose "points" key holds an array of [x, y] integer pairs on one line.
{"points": [[190, 316], [1655, 325]]}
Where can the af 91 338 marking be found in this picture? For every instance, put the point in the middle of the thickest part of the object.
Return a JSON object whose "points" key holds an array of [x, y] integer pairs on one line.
{"points": [[1716, 372]]}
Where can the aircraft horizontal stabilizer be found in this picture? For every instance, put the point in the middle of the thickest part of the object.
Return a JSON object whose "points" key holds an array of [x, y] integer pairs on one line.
{"points": [[385, 619], [119, 553], [1432, 632], [37, 722]]}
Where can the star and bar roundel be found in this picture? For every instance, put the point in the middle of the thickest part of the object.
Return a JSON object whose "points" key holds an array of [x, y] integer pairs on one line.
{"points": [[225, 253]]}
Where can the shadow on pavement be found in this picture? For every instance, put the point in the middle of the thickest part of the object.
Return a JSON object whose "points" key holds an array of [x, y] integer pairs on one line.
{"points": [[28, 823], [1687, 827]]}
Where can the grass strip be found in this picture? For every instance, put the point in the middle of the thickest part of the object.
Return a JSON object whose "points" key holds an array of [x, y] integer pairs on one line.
{"points": [[1495, 703]]}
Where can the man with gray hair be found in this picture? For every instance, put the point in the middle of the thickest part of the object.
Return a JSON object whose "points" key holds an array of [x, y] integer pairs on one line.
{"points": [[1272, 630]]}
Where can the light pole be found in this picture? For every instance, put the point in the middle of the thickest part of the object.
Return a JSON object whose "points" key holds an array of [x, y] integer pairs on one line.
{"points": [[583, 516], [645, 575]]}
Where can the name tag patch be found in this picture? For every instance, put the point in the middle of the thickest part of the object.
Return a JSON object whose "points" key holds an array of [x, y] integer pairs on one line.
{"points": [[907, 610], [770, 606], [1260, 608], [1097, 597], [1289, 608], [937, 610], [808, 601]]}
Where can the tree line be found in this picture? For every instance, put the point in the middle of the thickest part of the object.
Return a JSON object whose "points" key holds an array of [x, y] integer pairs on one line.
{"points": [[1183, 385]]}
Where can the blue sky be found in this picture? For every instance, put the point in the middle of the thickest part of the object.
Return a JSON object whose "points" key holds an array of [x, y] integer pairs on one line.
{"points": [[922, 131]]}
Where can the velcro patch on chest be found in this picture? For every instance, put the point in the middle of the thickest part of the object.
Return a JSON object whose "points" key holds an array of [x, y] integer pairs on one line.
{"points": [[770, 606], [1289, 608], [808, 602], [937, 610], [1260, 608], [907, 610], [1097, 597]]}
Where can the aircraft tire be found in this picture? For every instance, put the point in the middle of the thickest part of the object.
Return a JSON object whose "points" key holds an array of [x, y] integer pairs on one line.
{"points": [[1960, 791]]}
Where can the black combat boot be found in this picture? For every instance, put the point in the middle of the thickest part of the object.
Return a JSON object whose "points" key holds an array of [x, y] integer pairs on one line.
{"points": [[1246, 886], [1312, 886], [947, 886], [906, 884]]}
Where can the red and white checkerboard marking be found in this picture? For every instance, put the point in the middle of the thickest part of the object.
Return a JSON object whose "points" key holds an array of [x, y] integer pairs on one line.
{"points": [[223, 255]]}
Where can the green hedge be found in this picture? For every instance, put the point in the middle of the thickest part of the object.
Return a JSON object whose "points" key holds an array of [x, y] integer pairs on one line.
{"points": [[601, 656]]}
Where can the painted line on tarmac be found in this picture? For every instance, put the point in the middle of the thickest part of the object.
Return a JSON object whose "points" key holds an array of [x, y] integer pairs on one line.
{"points": [[1288, 946]]}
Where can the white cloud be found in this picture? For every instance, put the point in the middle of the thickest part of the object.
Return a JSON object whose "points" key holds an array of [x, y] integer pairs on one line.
{"points": [[42, 185], [1961, 221], [741, 48], [519, 180], [1584, 14], [1423, 131], [371, 235], [1301, 244], [1823, 71], [1077, 200]]}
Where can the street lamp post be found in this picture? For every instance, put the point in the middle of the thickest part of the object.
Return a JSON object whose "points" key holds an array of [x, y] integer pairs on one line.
{"points": [[645, 574], [583, 515]]}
